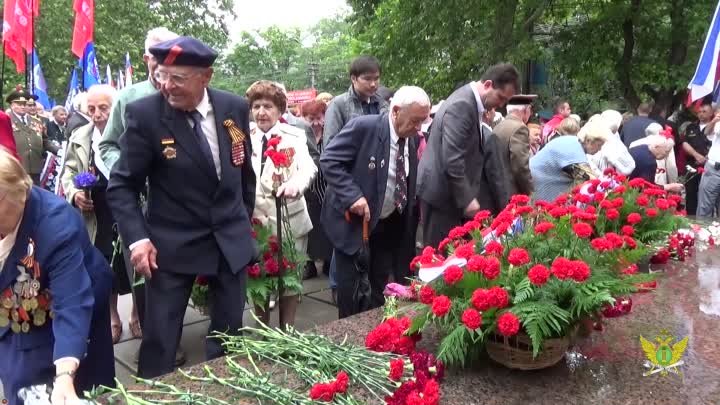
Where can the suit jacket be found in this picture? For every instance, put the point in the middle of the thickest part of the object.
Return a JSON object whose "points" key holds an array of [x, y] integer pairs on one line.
{"points": [[55, 132], [193, 219], [450, 172], [77, 160], [494, 188], [355, 165], [32, 143], [77, 276], [513, 148], [300, 173], [7, 140], [75, 120]]}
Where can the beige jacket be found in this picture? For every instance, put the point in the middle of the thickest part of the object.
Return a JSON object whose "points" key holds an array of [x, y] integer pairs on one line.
{"points": [[77, 160], [301, 173]]}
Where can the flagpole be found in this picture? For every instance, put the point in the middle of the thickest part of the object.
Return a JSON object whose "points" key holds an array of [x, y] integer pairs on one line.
{"points": [[2, 77], [32, 46]]}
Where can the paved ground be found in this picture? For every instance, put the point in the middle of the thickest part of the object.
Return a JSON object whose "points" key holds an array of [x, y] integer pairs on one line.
{"points": [[315, 309]]}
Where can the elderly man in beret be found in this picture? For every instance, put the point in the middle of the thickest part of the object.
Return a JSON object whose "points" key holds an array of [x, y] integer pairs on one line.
{"points": [[191, 144]]}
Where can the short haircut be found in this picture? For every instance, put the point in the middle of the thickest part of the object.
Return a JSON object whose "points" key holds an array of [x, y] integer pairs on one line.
{"points": [[364, 64], [408, 95], [501, 75], [559, 103], [156, 36], [644, 108], [660, 142], [568, 126], [653, 129], [14, 180], [58, 109], [517, 107], [104, 89], [265, 89], [594, 131], [313, 107], [324, 97]]}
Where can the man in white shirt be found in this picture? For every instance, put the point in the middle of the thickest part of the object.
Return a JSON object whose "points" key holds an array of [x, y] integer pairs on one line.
{"points": [[709, 194]]}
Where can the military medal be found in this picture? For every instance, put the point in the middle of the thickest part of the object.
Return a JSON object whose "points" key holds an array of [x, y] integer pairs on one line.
{"points": [[169, 151], [237, 141]]}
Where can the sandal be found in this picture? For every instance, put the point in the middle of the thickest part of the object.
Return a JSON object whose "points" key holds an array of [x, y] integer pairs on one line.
{"points": [[116, 332], [135, 329]]}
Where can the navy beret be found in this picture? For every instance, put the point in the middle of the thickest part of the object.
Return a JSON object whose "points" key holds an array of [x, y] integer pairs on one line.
{"points": [[184, 51]]}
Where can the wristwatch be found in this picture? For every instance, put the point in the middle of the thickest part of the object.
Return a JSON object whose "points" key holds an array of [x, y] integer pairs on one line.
{"points": [[68, 373]]}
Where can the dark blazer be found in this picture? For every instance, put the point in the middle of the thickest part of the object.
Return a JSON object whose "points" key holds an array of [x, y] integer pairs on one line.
{"points": [[645, 163], [55, 132], [74, 121], [193, 219], [450, 172], [347, 164], [79, 280], [634, 129]]}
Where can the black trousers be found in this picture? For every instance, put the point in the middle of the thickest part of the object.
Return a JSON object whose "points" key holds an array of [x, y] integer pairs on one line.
{"points": [[167, 296], [692, 188], [437, 224], [386, 241]]}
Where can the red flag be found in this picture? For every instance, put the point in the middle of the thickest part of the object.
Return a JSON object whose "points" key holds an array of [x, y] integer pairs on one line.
{"points": [[12, 44], [23, 29], [84, 25]]}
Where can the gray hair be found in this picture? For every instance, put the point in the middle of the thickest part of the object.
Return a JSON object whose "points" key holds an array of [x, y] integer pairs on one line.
{"points": [[660, 141], [594, 131], [156, 36], [653, 129], [101, 89], [408, 95], [511, 108], [613, 119], [79, 102], [57, 109]]}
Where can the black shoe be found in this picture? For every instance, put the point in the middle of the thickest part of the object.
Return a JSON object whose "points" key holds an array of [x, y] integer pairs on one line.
{"points": [[310, 271]]}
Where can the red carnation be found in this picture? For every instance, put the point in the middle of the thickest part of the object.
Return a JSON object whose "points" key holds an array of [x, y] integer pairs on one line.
{"points": [[441, 305], [580, 271], [637, 183], [322, 392], [492, 268], [472, 226], [452, 275], [494, 248], [558, 212], [642, 201], [519, 199], [630, 270], [543, 227], [271, 267], [582, 230], [508, 324], [599, 196], [254, 271], [397, 369], [561, 199], [538, 274], [482, 300], [561, 268], [615, 240], [606, 204], [201, 280], [471, 319], [618, 202], [630, 242], [482, 215], [518, 257], [601, 244], [651, 212], [476, 263], [634, 218], [457, 232], [273, 244], [341, 382], [500, 297], [612, 214], [619, 189], [428, 251], [700, 170], [431, 392], [628, 230], [466, 250], [443, 244], [427, 294]]}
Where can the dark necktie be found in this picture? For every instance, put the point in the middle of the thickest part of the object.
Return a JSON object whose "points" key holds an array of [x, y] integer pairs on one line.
{"points": [[400, 196], [263, 158], [202, 139]]}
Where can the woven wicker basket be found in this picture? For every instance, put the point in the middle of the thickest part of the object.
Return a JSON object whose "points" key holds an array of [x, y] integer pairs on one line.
{"points": [[517, 353]]}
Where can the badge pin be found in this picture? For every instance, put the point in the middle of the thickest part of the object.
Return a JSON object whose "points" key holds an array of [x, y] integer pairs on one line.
{"points": [[167, 141], [371, 166], [169, 152], [382, 163]]}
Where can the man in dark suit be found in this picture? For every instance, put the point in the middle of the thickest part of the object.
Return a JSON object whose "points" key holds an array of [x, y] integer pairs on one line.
{"points": [[450, 172], [371, 168], [634, 129], [201, 199], [56, 126]]}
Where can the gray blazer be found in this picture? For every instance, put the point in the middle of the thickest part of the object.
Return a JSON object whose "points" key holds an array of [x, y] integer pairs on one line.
{"points": [[343, 108], [450, 171]]}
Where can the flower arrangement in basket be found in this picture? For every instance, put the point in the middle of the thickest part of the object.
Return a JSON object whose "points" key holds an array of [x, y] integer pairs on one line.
{"points": [[523, 282]]}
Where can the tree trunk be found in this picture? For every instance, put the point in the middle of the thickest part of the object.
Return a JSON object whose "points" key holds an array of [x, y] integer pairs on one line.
{"points": [[624, 66], [504, 30]]}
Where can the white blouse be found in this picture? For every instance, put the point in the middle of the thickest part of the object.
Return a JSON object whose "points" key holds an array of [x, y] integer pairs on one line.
{"points": [[6, 245]]}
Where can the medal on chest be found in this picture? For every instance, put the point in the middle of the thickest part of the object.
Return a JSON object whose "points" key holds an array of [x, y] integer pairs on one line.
{"points": [[24, 304], [237, 142]]}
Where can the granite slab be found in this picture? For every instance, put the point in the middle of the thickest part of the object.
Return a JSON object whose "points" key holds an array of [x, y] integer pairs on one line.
{"points": [[605, 368]]}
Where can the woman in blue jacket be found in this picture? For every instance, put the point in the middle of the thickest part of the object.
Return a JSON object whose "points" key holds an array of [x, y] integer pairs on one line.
{"points": [[54, 293]]}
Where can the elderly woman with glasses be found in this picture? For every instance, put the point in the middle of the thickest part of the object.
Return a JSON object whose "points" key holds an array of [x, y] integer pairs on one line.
{"points": [[54, 293], [267, 103]]}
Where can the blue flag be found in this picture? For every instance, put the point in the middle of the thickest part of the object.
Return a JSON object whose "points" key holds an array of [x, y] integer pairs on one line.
{"points": [[91, 72], [39, 86], [73, 90]]}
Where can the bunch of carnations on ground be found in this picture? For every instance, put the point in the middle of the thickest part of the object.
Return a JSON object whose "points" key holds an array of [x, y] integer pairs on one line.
{"points": [[541, 269], [271, 274]]}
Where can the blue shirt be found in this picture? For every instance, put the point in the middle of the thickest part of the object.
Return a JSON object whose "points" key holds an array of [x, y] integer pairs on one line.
{"points": [[547, 166]]}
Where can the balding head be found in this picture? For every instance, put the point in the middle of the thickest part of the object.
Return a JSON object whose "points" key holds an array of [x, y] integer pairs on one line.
{"points": [[99, 100]]}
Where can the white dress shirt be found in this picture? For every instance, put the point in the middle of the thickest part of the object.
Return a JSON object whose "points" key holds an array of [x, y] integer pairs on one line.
{"points": [[256, 138], [388, 206], [6, 245], [714, 152], [478, 100]]}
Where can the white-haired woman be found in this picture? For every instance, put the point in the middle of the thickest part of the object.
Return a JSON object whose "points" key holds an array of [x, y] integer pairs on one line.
{"points": [[54, 293], [646, 156], [667, 171], [613, 154]]}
